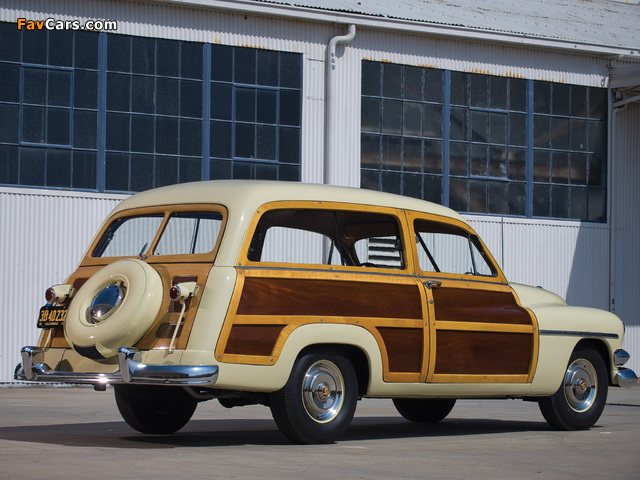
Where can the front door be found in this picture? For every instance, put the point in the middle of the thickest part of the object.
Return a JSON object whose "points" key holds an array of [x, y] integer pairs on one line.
{"points": [[478, 330]]}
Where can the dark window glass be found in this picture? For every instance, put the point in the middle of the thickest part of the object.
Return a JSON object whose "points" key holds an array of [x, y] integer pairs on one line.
{"points": [[370, 151], [220, 169], [459, 95], [541, 97], [517, 164], [392, 80], [517, 199], [498, 198], [221, 101], [117, 171], [392, 117], [118, 92], [33, 124], [433, 156], [34, 48], [499, 91], [560, 167], [517, 129], [561, 104], [85, 89], [559, 201], [191, 99], [10, 74], [289, 151], [191, 60], [412, 119], [8, 162], [84, 170], [290, 107], [458, 194], [141, 172], [85, 129], [117, 131], [267, 68], [597, 102], [32, 166], [142, 134], [190, 137], [391, 153], [220, 139], [479, 91], [541, 200], [560, 132], [432, 120], [433, 86], [143, 55], [578, 101], [517, 94], [190, 169], [579, 134], [412, 83], [9, 123], [290, 70], [412, 155], [119, 53], [246, 104], [222, 63], [266, 142], [432, 188], [578, 165], [58, 168], [168, 91], [266, 106], [245, 141], [458, 159], [10, 45], [142, 94], [86, 50], [579, 202], [34, 86], [61, 48], [541, 166], [245, 66], [370, 115], [168, 57], [167, 135]]}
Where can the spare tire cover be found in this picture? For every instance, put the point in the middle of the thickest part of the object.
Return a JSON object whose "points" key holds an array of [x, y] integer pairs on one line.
{"points": [[127, 320]]}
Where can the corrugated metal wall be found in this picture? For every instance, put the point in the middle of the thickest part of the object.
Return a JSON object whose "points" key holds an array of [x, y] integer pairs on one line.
{"points": [[43, 236], [625, 203]]}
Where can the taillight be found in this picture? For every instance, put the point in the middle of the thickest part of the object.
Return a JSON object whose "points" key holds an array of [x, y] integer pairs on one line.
{"points": [[58, 293]]}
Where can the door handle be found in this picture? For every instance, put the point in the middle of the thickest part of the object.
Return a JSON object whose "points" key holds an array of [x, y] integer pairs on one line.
{"points": [[430, 284]]}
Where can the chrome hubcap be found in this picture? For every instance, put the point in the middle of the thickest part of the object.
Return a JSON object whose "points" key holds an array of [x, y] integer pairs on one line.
{"points": [[322, 391], [105, 303], [580, 385]]}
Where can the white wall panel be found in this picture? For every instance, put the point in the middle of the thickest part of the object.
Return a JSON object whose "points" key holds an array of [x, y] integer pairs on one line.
{"points": [[42, 239]]}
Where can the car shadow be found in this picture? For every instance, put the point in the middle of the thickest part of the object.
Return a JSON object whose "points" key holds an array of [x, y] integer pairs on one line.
{"points": [[220, 433]]}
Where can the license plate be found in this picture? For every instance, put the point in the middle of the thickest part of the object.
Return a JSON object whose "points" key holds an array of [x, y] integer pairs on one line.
{"points": [[51, 316]]}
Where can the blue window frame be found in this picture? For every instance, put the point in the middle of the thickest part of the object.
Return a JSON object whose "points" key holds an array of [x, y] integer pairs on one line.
{"points": [[119, 113], [485, 144]]}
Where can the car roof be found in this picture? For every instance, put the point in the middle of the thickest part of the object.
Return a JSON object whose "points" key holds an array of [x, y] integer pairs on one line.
{"points": [[249, 195]]}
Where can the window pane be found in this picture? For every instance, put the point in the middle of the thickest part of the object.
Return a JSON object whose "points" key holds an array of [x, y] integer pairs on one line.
{"points": [[266, 142], [141, 172], [117, 172], [143, 55], [166, 136], [9, 123], [433, 188], [597, 204], [166, 171], [267, 68], [289, 150], [578, 168], [479, 160], [142, 134], [59, 85], [191, 99], [168, 57], [412, 119], [222, 63], [84, 170], [59, 168], [190, 137], [58, 126], [498, 128], [142, 94], [541, 203], [412, 185], [370, 114], [391, 182], [559, 201], [412, 83], [32, 166], [498, 198], [220, 169], [267, 106], [597, 137], [290, 70], [517, 129], [578, 135], [391, 153], [578, 101], [117, 131], [85, 129], [246, 104], [34, 86], [598, 103], [498, 92], [478, 196], [579, 203], [85, 89], [220, 139], [34, 47], [541, 132], [167, 96], [221, 101], [597, 170], [432, 121], [371, 78], [459, 128], [10, 91], [458, 194], [561, 104], [459, 95], [119, 53], [458, 159], [560, 133], [290, 108], [10, 46], [391, 80], [191, 60], [245, 65], [433, 156], [33, 119], [479, 126], [517, 164], [245, 141], [433, 85], [86, 50], [541, 97], [541, 166], [190, 170], [118, 92], [479, 91], [518, 94], [517, 199], [370, 151], [497, 161], [412, 155]]}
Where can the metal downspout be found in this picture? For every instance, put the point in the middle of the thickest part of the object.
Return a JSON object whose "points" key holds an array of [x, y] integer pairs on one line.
{"points": [[329, 176]]}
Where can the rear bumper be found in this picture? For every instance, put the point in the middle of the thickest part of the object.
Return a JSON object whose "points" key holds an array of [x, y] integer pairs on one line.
{"points": [[132, 371]]}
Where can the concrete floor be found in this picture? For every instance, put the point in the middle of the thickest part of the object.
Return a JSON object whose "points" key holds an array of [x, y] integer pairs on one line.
{"points": [[73, 433]]}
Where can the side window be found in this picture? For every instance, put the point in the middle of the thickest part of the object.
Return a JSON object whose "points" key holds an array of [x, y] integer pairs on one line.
{"points": [[446, 249], [327, 237], [128, 237]]}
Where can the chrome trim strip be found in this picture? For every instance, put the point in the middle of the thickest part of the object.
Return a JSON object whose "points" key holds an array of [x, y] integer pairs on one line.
{"points": [[132, 371], [567, 333]]}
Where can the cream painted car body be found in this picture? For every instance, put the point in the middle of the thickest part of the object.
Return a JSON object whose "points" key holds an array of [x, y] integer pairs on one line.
{"points": [[222, 323]]}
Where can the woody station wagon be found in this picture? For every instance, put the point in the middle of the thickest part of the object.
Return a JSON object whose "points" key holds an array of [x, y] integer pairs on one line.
{"points": [[306, 298]]}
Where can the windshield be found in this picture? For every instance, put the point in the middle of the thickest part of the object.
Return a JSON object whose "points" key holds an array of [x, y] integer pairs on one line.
{"points": [[185, 233]]}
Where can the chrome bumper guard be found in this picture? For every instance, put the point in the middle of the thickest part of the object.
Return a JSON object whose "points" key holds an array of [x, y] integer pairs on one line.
{"points": [[626, 377], [131, 371]]}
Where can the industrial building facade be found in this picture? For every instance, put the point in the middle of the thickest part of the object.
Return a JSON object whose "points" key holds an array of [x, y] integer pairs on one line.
{"points": [[530, 133]]}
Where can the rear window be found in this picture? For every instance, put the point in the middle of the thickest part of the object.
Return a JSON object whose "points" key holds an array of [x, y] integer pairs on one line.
{"points": [[184, 233]]}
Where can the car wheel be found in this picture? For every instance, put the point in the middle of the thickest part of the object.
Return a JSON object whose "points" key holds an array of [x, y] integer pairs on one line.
{"points": [[151, 409], [579, 401], [424, 410], [319, 400]]}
